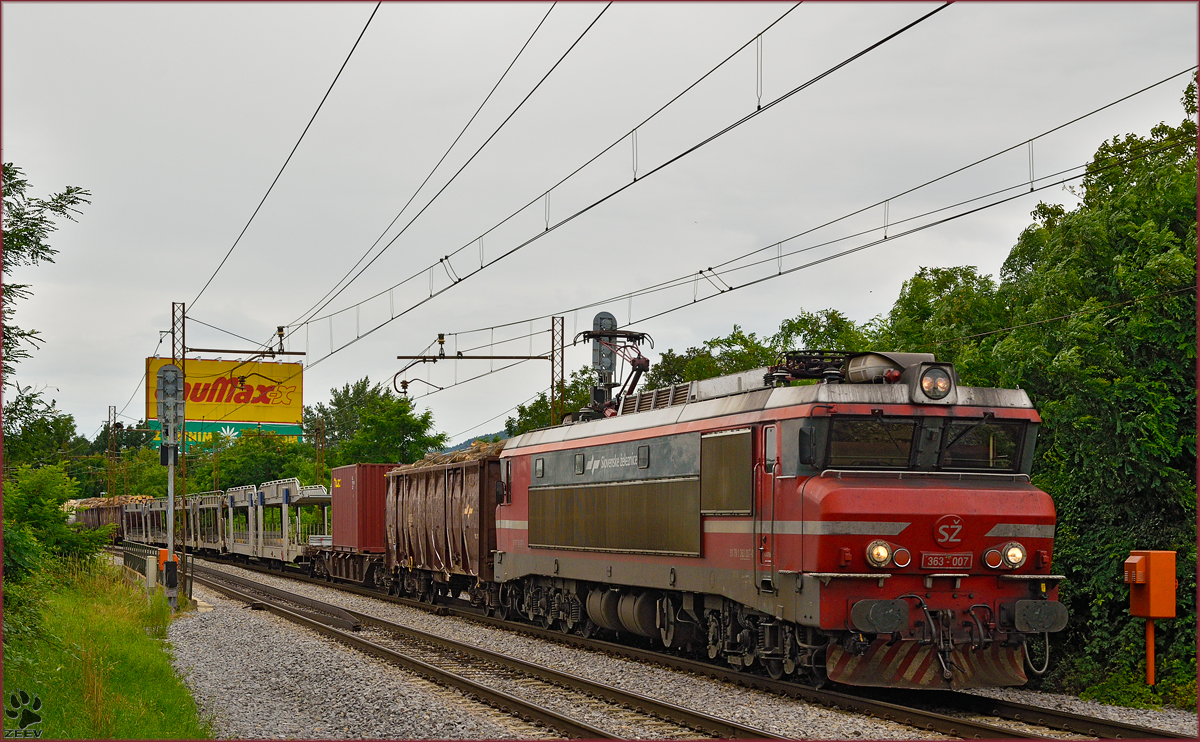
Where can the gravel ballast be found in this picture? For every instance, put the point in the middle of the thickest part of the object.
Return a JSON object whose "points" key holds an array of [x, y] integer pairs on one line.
{"points": [[1167, 719], [783, 716], [261, 677]]}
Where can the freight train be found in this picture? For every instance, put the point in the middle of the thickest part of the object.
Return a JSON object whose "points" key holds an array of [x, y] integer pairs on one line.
{"points": [[861, 518]]}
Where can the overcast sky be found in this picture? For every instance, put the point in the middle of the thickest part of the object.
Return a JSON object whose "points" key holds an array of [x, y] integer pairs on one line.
{"points": [[177, 117]]}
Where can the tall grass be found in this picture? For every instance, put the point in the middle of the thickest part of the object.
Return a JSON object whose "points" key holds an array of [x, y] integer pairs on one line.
{"points": [[99, 661]]}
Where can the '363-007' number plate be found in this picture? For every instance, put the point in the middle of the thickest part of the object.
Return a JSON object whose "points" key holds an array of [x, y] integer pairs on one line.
{"points": [[944, 560]]}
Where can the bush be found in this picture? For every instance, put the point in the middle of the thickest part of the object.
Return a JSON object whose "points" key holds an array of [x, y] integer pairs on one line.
{"points": [[25, 587], [33, 498]]}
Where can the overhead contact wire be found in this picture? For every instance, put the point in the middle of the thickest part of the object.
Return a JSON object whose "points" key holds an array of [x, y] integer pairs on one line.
{"points": [[914, 230], [597, 156], [227, 332], [614, 193], [396, 218], [289, 158], [464, 165], [681, 280], [1145, 153]]}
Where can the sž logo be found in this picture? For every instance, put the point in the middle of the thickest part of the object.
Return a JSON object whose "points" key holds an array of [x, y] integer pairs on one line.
{"points": [[947, 531]]}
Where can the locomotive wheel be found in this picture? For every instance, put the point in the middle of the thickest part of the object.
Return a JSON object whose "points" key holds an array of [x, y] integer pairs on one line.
{"points": [[774, 668]]}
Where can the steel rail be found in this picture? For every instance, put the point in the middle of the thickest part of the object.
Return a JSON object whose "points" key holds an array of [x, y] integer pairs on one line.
{"points": [[914, 717], [497, 698], [1051, 718], [696, 720], [849, 701], [339, 617]]}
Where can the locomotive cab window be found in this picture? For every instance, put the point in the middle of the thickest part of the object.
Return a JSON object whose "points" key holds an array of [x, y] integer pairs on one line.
{"points": [[871, 442], [988, 445], [539, 468]]}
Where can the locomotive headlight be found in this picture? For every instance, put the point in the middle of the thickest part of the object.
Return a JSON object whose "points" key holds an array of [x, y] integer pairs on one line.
{"points": [[935, 383], [879, 553], [1014, 555]]}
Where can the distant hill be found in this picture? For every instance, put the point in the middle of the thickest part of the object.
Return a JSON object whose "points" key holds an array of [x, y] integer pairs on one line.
{"points": [[467, 443]]}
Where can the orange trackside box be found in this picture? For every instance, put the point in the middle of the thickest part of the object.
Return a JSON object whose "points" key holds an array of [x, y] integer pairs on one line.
{"points": [[1152, 585], [162, 560]]}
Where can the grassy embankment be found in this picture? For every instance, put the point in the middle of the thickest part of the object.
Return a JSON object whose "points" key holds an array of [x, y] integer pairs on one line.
{"points": [[99, 662]]}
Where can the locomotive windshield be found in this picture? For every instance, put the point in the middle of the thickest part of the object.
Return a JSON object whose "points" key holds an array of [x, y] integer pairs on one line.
{"points": [[871, 443], [981, 444], [989, 445]]}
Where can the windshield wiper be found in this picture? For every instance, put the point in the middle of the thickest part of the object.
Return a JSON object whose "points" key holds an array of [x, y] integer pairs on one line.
{"points": [[987, 417], [879, 416]]}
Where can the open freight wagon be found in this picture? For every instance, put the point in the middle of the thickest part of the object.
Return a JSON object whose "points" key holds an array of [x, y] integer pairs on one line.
{"points": [[441, 528], [419, 530]]}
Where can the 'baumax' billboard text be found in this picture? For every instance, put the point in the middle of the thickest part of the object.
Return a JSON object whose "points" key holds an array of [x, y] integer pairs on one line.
{"points": [[231, 391]]}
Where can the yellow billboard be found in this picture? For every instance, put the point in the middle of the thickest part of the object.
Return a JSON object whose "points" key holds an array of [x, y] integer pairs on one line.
{"points": [[232, 391]]}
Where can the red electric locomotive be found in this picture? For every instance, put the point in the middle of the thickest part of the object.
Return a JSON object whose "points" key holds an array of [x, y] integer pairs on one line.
{"points": [[877, 527]]}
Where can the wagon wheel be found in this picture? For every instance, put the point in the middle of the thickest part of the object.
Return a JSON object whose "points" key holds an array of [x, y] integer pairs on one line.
{"points": [[774, 668]]}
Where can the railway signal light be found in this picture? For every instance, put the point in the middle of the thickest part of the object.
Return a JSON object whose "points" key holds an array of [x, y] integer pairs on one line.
{"points": [[169, 395]]}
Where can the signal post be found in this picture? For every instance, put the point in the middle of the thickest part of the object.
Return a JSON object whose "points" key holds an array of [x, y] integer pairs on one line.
{"points": [[170, 397]]}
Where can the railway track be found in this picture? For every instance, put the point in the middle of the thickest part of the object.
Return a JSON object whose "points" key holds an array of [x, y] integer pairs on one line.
{"points": [[921, 709], [478, 672]]}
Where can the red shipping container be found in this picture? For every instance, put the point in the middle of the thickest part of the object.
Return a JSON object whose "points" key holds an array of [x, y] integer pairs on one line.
{"points": [[358, 493]]}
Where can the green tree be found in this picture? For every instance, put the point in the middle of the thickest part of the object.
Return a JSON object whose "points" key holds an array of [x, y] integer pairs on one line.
{"points": [[26, 583], [342, 417], [737, 351], [826, 329], [35, 432], [28, 222], [1115, 384], [33, 499], [127, 436], [576, 395], [670, 368], [252, 458], [390, 432], [938, 308]]}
